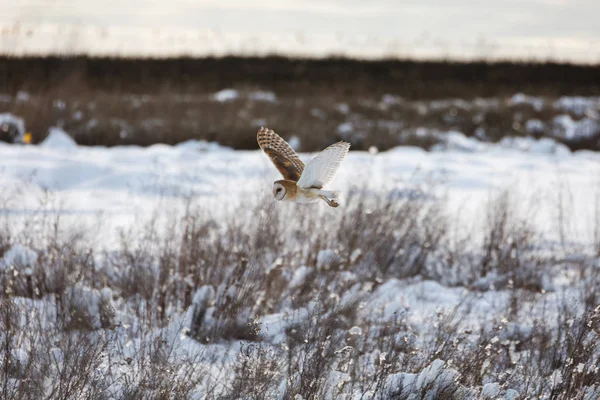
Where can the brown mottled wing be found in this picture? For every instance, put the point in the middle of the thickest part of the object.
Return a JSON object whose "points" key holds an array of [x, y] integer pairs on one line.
{"points": [[283, 156]]}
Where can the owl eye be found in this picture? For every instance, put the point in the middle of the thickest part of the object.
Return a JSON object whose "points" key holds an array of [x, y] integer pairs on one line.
{"points": [[278, 190]]}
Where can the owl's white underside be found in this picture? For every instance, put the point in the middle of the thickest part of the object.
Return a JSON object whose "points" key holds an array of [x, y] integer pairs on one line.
{"points": [[311, 195]]}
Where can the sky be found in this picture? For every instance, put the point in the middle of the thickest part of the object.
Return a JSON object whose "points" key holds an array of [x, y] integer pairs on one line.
{"points": [[530, 29]]}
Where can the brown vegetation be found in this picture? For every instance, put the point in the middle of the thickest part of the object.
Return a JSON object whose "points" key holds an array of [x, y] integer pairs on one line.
{"points": [[103, 101]]}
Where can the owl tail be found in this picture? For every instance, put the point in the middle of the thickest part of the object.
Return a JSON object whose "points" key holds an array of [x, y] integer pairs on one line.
{"points": [[331, 197]]}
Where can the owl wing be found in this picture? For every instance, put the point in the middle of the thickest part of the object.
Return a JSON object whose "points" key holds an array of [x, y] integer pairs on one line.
{"points": [[321, 169], [281, 153]]}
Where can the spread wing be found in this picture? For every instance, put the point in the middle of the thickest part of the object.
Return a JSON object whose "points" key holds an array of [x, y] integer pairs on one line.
{"points": [[321, 169], [283, 156]]}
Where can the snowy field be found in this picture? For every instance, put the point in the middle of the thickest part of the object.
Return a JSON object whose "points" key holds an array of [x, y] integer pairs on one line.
{"points": [[126, 183], [469, 271]]}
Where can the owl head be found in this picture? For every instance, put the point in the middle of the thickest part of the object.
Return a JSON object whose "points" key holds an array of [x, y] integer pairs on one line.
{"points": [[284, 190]]}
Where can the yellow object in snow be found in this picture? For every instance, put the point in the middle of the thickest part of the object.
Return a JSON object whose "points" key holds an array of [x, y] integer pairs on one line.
{"points": [[27, 138]]}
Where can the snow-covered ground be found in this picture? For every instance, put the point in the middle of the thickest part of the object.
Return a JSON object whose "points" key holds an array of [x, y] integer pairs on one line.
{"points": [[111, 190], [120, 182]]}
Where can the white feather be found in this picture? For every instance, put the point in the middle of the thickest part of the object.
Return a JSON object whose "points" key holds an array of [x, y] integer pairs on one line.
{"points": [[321, 169]]}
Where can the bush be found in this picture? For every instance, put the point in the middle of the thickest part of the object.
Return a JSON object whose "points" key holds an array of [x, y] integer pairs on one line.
{"points": [[275, 302]]}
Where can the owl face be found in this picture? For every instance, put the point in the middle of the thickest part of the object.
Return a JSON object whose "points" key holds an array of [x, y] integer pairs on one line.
{"points": [[285, 190], [278, 191]]}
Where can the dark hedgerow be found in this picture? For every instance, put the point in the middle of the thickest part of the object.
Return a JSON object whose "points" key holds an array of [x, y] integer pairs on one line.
{"points": [[386, 103]]}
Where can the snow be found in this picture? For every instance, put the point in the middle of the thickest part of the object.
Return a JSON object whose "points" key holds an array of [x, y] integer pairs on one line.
{"points": [[429, 384], [299, 276], [294, 142], [225, 95], [521, 98], [540, 146], [457, 141], [84, 305], [566, 127], [490, 390], [343, 108], [10, 119], [577, 104], [124, 181], [200, 145], [326, 258], [511, 394], [355, 331], [534, 126], [22, 96], [345, 128], [204, 296], [126, 184], [18, 256], [57, 138], [261, 95]]}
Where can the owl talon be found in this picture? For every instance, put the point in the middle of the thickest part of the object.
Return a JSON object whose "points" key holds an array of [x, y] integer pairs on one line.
{"points": [[330, 203]]}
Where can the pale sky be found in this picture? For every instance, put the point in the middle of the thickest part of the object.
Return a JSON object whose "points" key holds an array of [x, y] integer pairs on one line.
{"points": [[566, 30]]}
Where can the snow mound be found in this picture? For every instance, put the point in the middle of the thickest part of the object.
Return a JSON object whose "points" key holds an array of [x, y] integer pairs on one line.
{"points": [[201, 315], [261, 95], [19, 256], [299, 276], [564, 126], [343, 108], [225, 95], [327, 258], [533, 126], [84, 307], [355, 331], [577, 104], [433, 381], [8, 118], [12, 127], [89, 308], [345, 128], [58, 139], [520, 98], [22, 97], [511, 394], [490, 390], [200, 145], [531, 145], [457, 141]]}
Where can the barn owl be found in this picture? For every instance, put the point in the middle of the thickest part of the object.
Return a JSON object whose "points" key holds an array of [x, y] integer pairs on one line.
{"points": [[302, 184]]}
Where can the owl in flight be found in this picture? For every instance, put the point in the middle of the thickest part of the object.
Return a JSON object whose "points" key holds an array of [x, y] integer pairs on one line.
{"points": [[302, 184]]}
